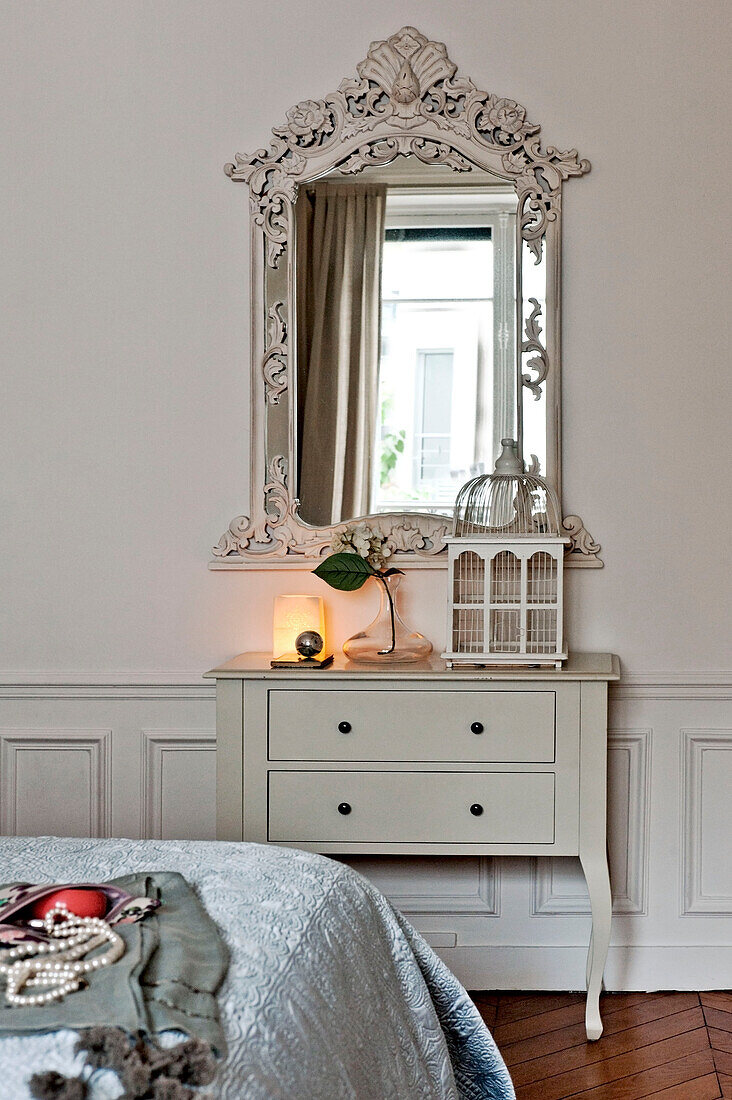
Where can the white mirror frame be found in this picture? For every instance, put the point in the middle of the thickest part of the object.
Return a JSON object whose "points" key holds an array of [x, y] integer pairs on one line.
{"points": [[408, 101]]}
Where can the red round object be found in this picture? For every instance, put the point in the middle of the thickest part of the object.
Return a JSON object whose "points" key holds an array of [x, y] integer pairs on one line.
{"points": [[83, 903]]}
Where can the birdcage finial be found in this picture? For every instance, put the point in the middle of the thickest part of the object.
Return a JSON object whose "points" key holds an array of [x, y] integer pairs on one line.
{"points": [[508, 461]]}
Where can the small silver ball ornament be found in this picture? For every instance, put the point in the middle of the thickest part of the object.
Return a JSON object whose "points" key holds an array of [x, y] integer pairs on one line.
{"points": [[309, 643]]}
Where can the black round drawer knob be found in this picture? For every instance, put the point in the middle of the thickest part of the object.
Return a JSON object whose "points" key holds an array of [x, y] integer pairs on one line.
{"points": [[476, 809], [476, 727], [345, 808], [344, 727]]}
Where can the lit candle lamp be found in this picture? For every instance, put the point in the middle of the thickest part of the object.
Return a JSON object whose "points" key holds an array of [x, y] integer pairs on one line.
{"points": [[293, 615]]}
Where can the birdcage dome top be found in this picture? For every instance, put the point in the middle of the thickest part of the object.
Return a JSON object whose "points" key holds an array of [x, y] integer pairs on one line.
{"points": [[509, 503]]}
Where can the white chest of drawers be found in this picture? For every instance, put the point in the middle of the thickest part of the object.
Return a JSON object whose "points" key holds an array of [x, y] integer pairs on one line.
{"points": [[422, 760]]}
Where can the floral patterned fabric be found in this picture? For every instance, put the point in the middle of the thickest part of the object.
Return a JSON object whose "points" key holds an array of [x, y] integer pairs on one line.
{"points": [[16, 898], [330, 993]]}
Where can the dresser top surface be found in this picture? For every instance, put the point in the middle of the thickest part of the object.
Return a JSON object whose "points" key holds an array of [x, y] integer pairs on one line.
{"points": [[579, 666]]}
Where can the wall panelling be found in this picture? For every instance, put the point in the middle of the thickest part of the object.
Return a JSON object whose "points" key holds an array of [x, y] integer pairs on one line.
{"points": [[139, 755]]}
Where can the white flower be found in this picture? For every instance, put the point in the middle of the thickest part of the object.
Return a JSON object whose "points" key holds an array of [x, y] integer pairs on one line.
{"points": [[362, 540], [341, 544]]}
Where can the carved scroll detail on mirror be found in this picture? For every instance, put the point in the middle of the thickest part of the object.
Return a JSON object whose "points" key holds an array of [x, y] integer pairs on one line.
{"points": [[429, 152], [539, 363], [584, 550], [406, 100], [274, 364]]}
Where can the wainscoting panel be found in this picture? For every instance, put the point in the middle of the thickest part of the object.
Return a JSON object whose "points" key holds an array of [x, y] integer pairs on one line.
{"points": [[54, 781], [179, 784], [425, 885], [559, 885], [706, 821]]}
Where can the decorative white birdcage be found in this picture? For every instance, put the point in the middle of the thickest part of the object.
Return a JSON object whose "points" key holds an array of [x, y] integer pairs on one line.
{"points": [[505, 570]]}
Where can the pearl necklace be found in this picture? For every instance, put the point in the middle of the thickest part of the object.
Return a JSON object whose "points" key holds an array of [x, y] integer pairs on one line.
{"points": [[61, 970]]}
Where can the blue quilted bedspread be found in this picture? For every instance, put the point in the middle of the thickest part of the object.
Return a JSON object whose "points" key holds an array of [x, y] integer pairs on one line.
{"points": [[330, 995]]}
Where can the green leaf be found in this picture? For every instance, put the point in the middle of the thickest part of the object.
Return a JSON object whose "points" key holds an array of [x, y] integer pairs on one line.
{"points": [[391, 572], [346, 572]]}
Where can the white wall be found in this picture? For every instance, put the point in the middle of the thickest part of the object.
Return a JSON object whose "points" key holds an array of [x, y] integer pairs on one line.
{"points": [[124, 387]]}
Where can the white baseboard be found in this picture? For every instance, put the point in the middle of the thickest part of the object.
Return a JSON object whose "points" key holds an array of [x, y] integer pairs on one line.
{"points": [[553, 968]]}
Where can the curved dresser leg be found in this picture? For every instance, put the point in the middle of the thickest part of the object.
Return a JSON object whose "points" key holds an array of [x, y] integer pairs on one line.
{"points": [[597, 877], [590, 951]]}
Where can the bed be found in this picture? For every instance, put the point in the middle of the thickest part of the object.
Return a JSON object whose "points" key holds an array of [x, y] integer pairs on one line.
{"points": [[330, 994]]}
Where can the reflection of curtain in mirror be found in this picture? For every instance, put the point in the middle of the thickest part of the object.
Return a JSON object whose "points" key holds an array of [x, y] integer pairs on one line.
{"points": [[340, 230]]}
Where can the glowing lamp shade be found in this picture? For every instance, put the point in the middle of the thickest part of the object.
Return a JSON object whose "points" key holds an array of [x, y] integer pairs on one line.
{"points": [[292, 615]]}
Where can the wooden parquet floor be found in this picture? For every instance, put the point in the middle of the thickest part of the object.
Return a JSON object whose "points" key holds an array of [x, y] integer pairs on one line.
{"points": [[676, 1046]]}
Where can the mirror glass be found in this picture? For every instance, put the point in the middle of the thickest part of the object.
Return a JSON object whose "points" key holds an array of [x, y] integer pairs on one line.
{"points": [[406, 337]]}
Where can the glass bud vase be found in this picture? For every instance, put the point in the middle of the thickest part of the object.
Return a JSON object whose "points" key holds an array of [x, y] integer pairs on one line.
{"points": [[387, 639]]}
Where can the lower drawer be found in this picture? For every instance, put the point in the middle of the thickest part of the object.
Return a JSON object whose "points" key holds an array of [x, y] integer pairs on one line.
{"points": [[411, 807]]}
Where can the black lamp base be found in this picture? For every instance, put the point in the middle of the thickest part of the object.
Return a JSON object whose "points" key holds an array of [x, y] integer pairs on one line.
{"points": [[294, 660]]}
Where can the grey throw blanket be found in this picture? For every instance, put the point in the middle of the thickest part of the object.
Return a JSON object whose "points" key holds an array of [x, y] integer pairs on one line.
{"points": [[167, 979]]}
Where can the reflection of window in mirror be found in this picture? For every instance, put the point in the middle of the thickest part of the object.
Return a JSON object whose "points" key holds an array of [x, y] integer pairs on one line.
{"points": [[406, 319], [446, 360]]}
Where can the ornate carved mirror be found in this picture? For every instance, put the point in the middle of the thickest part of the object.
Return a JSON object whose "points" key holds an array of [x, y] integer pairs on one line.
{"points": [[406, 308]]}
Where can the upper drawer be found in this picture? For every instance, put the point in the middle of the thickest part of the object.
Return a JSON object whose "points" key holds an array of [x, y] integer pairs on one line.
{"points": [[464, 726]]}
